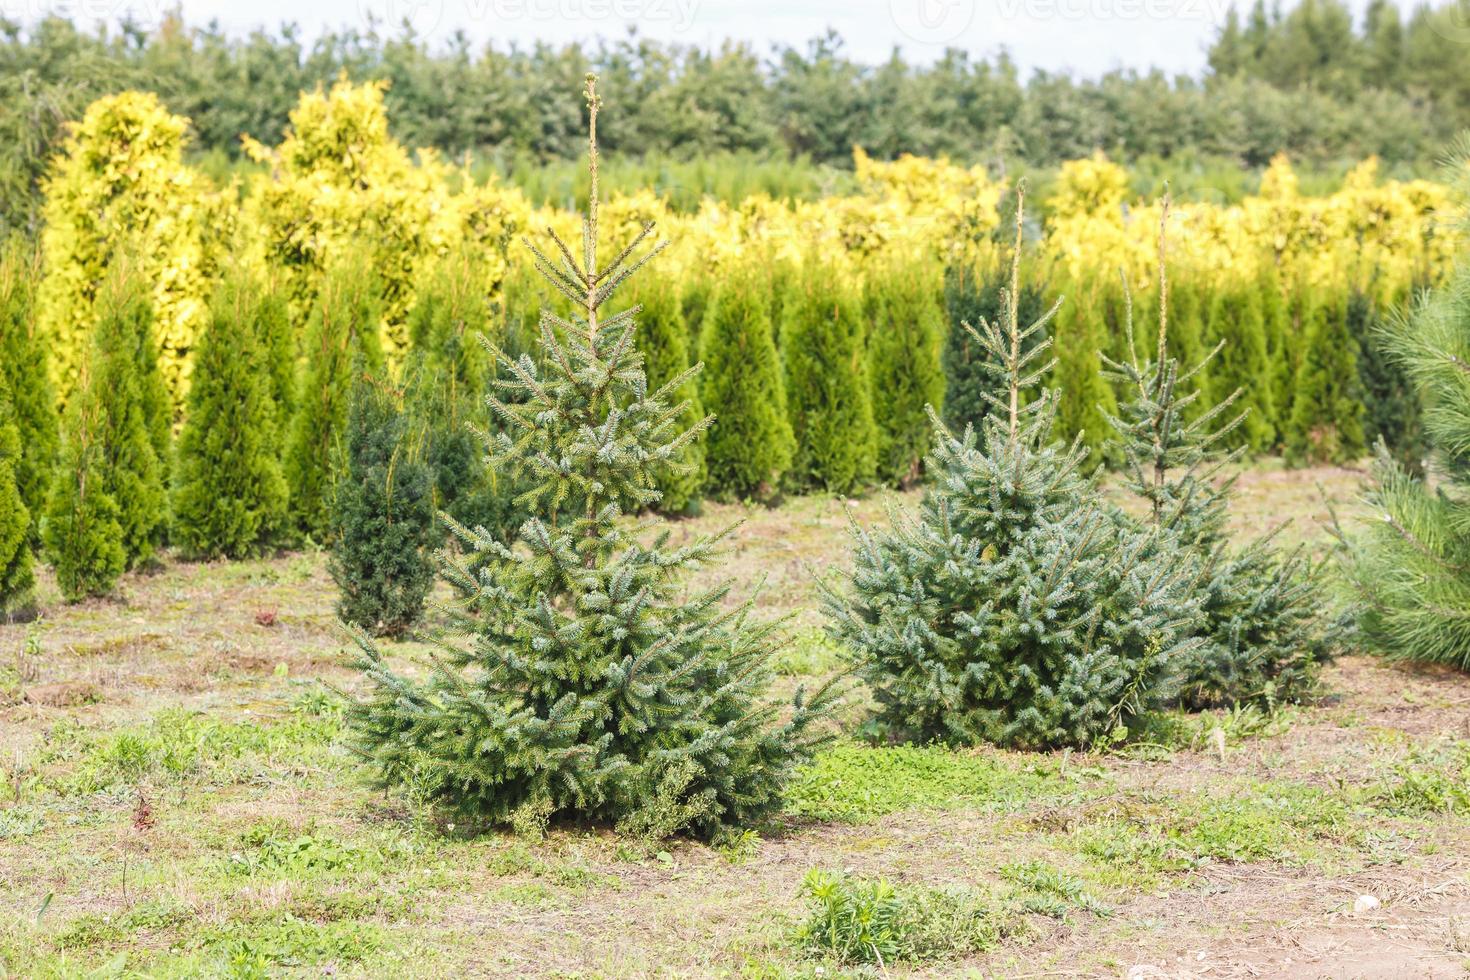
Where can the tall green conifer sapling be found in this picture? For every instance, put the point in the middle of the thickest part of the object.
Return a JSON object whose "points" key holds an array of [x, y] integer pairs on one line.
{"points": [[580, 679], [1261, 639], [1016, 606]]}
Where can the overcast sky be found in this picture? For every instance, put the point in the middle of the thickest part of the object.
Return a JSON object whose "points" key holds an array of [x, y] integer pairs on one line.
{"points": [[1086, 36]]}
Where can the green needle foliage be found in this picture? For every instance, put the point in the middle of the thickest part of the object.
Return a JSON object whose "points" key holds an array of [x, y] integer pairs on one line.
{"points": [[1016, 606], [1261, 638], [17, 576], [382, 514], [905, 341], [229, 495], [25, 373], [581, 680], [343, 328], [827, 388], [82, 532], [1407, 564], [750, 450]]}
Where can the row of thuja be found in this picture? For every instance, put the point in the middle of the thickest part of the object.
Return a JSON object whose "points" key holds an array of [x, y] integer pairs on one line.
{"points": [[579, 675]]}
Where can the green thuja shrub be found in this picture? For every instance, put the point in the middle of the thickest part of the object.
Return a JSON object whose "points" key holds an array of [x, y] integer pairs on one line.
{"points": [[1391, 409], [82, 531], [1241, 368], [580, 679], [1281, 347], [1326, 422], [1084, 397], [382, 514], [343, 328], [663, 339], [25, 373], [229, 494], [17, 575], [1261, 638], [1017, 606], [749, 450], [277, 341], [905, 340], [972, 295], [827, 388], [450, 313], [696, 291], [133, 415]]}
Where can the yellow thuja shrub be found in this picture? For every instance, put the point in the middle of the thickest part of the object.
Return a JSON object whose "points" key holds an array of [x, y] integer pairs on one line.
{"points": [[1093, 186], [338, 183], [120, 182]]}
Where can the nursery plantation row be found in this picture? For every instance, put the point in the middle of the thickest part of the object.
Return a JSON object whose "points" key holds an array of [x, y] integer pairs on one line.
{"points": [[825, 327], [501, 427]]}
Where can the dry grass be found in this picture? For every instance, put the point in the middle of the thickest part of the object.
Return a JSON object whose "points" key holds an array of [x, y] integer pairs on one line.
{"points": [[244, 843]]}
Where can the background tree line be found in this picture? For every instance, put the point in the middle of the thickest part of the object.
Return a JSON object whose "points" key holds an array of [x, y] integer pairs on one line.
{"points": [[1310, 82]]}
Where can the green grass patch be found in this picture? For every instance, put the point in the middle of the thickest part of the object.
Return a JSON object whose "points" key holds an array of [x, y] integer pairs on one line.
{"points": [[1429, 782], [855, 783], [178, 746], [868, 920]]}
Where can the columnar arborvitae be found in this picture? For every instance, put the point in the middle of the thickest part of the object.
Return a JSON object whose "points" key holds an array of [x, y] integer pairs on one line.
{"points": [[587, 683], [972, 294], [25, 373], [1391, 409], [1260, 639], [1326, 423], [749, 452], [1242, 367], [1281, 346], [343, 328], [663, 339], [229, 494], [82, 533], [1016, 606], [1084, 398], [1405, 561], [277, 340], [827, 393], [451, 310], [383, 526], [134, 413], [17, 575], [905, 343]]}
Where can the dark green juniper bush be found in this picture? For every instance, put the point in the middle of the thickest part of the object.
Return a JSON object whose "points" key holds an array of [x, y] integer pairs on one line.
{"points": [[382, 512], [1261, 638], [1016, 607], [579, 678]]}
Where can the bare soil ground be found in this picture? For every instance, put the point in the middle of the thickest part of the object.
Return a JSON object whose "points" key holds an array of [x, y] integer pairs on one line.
{"points": [[176, 802]]}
